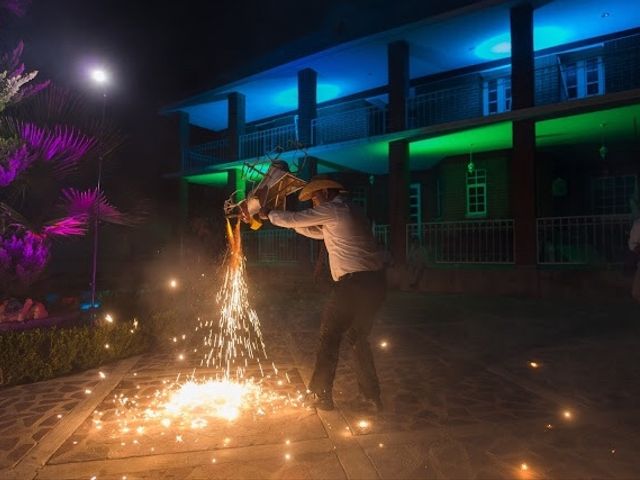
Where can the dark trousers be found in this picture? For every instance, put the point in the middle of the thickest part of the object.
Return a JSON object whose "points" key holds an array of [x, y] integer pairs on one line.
{"points": [[350, 312]]}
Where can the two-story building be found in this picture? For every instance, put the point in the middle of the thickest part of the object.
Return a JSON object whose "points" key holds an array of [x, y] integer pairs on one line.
{"points": [[496, 146]]}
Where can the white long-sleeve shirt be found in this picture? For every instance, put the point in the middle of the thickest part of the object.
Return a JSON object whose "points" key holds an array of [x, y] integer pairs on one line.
{"points": [[634, 235], [345, 230]]}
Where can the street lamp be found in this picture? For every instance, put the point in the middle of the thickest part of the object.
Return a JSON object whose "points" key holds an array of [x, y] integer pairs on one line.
{"points": [[101, 78]]}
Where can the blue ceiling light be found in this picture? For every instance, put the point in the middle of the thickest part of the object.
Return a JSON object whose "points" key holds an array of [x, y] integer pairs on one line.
{"points": [[289, 97], [499, 46]]}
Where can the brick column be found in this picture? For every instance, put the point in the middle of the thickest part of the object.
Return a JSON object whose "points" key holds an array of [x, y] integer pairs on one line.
{"points": [[307, 104], [398, 73], [398, 198], [523, 170], [236, 115], [522, 75]]}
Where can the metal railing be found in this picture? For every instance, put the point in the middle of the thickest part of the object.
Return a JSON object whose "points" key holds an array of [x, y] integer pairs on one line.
{"points": [[360, 122], [446, 105], [262, 142], [207, 154], [595, 239], [272, 246], [381, 234], [469, 241]]}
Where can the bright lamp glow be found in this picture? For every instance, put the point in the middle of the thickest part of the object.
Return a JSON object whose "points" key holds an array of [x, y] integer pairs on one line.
{"points": [[99, 75], [499, 46]]}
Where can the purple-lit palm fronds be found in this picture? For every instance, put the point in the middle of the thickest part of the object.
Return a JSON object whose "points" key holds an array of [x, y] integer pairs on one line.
{"points": [[14, 162], [62, 146], [66, 227], [93, 202]]}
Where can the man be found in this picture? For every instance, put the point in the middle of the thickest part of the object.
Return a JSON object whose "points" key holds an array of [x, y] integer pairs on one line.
{"points": [[359, 289]]}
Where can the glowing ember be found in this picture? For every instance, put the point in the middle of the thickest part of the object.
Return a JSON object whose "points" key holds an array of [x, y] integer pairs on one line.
{"points": [[534, 364], [384, 344], [567, 414], [222, 399], [524, 466], [363, 424]]}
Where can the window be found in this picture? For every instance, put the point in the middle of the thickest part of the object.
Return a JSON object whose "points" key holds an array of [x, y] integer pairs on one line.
{"points": [[497, 96], [477, 193], [612, 194], [583, 78]]}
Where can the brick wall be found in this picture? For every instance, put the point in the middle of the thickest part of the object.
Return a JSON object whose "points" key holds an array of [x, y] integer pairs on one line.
{"points": [[453, 174], [547, 80], [453, 99], [622, 64]]}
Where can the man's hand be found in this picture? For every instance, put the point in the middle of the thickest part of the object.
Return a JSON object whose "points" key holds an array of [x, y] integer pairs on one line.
{"points": [[264, 213]]}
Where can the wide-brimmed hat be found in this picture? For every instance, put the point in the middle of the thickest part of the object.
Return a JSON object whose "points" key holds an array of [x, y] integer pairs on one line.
{"points": [[315, 184]]}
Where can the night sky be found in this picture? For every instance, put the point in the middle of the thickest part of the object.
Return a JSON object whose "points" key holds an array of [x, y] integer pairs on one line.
{"points": [[161, 52]]}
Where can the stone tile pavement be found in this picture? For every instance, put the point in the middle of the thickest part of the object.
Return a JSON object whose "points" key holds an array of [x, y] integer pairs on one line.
{"points": [[462, 400]]}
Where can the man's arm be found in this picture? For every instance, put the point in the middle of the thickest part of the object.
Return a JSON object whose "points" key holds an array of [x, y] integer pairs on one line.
{"points": [[312, 217], [311, 232]]}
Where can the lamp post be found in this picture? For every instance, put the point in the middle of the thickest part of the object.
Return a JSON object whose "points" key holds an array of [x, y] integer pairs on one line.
{"points": [[100, 77]]}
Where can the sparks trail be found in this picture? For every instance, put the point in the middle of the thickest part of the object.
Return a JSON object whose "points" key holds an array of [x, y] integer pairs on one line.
{"points": [[238, 338]]}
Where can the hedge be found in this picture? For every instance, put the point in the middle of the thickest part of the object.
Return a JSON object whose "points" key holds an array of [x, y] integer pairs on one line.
{"points": [[43, 353]]}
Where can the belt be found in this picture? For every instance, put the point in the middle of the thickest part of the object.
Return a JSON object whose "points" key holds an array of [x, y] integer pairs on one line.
{"points": [[364, 273]]}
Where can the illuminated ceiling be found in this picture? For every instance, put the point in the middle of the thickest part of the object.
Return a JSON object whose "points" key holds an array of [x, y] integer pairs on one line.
{"points": [[434, 47]]}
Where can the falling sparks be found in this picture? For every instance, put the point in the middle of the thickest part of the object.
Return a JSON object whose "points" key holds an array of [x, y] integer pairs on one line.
{"points": [[234, 347], [108, 318], [87, 391]]}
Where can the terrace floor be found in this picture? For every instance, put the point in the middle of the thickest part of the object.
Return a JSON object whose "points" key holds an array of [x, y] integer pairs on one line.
{"points": [[461, 401]]}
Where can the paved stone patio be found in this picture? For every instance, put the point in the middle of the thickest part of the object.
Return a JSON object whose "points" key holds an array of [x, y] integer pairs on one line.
{"points": [[462, 400]]}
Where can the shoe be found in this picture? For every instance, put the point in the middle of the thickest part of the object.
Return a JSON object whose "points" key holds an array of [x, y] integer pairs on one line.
{"points": [[320, 401]]}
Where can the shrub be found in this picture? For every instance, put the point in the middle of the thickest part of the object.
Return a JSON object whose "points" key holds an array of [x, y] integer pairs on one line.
{"points": [[40, 354]]}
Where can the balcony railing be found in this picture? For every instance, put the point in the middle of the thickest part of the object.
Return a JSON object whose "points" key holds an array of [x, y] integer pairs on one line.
{"points": [[445, 105], [597, 239], [472, 241], [360, 122], [263, 142], [206, 154]]}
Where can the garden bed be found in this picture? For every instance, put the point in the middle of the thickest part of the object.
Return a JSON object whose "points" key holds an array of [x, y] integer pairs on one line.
{"points": [[41, 353]]}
